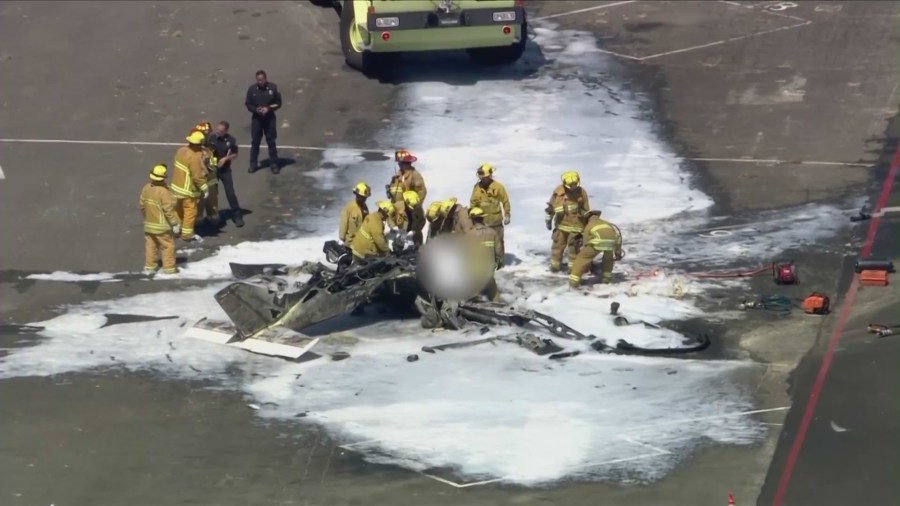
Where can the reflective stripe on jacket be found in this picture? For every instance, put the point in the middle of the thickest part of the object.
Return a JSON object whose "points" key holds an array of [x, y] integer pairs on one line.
{"points": [[189, 176], [601, 235], [413, 181], [158, 207], [567, 209], [369, 239], [209, 165], [491, 199], [489, 241]]}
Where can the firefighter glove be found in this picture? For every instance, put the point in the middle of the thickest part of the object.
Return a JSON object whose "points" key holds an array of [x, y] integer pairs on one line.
{"points": [[176, 229], [206, 194], [506, 220], [548, 220]]}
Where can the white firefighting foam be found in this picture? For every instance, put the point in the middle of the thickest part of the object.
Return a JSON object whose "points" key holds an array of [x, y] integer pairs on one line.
{"points": [[493, 411]]}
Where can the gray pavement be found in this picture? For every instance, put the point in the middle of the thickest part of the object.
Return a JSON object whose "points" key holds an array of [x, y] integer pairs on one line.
{"points": [[819, 92]]}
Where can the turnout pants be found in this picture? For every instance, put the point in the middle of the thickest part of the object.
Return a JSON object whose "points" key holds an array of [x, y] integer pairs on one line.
{"points": [[499, 230], [211, 203], [561, 242], [186, 208], [163, 244], [258, 128], [582, 264], [491, 291]]}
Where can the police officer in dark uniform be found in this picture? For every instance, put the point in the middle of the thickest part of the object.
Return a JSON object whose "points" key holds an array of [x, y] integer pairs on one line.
{"points": [[225, 149], [262, 100]]}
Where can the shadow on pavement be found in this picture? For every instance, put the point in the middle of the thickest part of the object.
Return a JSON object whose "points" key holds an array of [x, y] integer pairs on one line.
{"points": [[456, 68]]}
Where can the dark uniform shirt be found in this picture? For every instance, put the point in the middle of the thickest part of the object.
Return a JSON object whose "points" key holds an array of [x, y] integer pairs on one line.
{"points": [[267, 96], [221, 146]]}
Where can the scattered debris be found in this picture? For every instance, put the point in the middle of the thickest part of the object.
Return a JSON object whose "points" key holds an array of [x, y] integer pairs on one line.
{"points": [[837, 428]]}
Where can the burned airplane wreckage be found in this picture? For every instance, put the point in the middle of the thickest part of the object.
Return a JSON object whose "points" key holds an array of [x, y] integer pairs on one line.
{"points": [[269, 308]]}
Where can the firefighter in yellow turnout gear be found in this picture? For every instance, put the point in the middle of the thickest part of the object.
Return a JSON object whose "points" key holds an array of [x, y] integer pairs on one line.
{"points": [[369, 240], [189, 183], [491, 253], [565, 216], [455, 217], [598, 237], [353, 214], [434, 219], [407, 178], [210, 203], [490, 196], [161, 222], [409, 216]]}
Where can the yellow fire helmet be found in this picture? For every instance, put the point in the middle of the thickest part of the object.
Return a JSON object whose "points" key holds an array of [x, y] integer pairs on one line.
{"points": [[485, 170], [411, 198], [362, 189], [447, 205], [476, 212], [433, 211], [196, 138], [570, 179], [386, 206], [158, 172]]}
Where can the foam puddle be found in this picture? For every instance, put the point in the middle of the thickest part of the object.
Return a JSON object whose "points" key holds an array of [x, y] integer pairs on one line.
{"points": [[490, 412]]}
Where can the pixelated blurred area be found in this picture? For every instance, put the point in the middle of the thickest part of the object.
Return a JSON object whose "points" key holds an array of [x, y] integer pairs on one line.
{"points": [[454, 267]]}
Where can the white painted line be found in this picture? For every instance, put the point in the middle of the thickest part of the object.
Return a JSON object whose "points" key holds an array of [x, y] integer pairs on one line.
{"points": [[579, 11], [174, 144], [771, 161], [751, 224], [712, 417], [620, 55], [2, 175], [461, 485], [631, 440], [725, 41], [765, 10]]}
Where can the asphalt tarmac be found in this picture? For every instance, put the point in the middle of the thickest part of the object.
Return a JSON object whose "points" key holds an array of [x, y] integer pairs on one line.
{"points": [[774, 110]]}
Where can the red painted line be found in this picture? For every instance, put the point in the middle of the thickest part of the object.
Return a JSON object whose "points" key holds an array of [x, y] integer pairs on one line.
{"points": [[843, 316]]}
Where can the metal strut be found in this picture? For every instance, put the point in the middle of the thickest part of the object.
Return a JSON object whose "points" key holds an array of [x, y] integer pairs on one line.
{"points": [[493, 313]]}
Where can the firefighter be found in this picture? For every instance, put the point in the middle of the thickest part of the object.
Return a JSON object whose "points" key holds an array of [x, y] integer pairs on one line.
{"points": [[434, 219], [407, 178], [598, 237], [455, 217], [189, 183], [353, 214], [490, 246], [490, 196], [210, 203], [412, 216], [565, 216], [369, 240], [161, 222]]}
